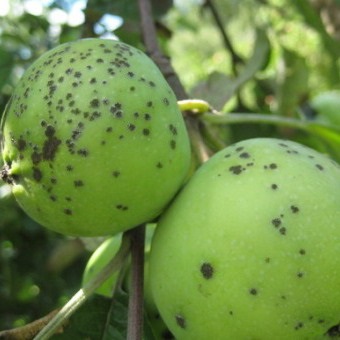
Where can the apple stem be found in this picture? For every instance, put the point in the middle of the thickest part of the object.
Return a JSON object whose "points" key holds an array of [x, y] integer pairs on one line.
{"points": [[85, 292], [136, 298]]}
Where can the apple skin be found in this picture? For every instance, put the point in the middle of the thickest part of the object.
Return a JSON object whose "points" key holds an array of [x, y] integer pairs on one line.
{"points": [[327, 107], [93, 140], [250, 248], [98, 260]]}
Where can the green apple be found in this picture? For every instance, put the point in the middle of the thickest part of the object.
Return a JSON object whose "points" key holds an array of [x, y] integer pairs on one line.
{"points": [[98, 260], [250, 248], [93, 140], [327, 107]]}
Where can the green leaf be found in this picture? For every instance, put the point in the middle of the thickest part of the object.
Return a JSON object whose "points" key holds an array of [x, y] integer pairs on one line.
{"points": [[219, 88]]}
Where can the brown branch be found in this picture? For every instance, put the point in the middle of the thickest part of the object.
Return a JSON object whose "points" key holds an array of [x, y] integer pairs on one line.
{"points": [[136, 300], [28, 331], [153, 50]]}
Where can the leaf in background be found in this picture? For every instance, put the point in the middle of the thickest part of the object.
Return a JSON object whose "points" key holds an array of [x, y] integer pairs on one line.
{"points": [[6, 65], [292, 83], [219, 88], [101, 319]]}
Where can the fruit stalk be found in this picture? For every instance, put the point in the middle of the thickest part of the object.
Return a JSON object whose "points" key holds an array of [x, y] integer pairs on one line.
{"points": [[85, 292], [135, 308]]}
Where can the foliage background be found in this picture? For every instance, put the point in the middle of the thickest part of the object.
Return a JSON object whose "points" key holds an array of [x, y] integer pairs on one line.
{"points": [[268, 56]]}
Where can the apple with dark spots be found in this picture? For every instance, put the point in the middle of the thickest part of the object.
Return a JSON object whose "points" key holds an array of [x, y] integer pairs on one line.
{"points": [[93, 140], [250, 247]]}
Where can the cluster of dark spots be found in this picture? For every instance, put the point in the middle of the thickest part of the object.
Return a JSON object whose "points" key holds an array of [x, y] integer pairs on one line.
{"points": [[207, 270], [180, 320], [94, 115], [116, 110], [277, 223], [271, 166], [122, 207], [83, 152], [130, 74], [253, 291], [78, 183], [68, 211], [37, 174], [236, 169], [320, 167], [111, 71]]}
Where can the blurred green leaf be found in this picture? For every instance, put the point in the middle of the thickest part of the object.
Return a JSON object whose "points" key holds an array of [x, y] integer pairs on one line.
{"points": [[292, 83], [219, 88], [6, 65]]}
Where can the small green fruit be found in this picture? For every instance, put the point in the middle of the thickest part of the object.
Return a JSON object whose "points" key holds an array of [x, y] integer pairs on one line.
{"points": [[327, 107], [98, 260], [250, 248], [93, 140]]}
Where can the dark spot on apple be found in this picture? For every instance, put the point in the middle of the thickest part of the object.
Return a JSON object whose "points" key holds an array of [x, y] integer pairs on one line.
{"points": [[244, 155], [207, 270], [68, 211], [320, 167], [334, 331], [146, 132], [274, 186], [302, 252], [236, 169], [21, 145], [37, 174], [294, 209], [116, 173], [180, 320], [300, 275], [253, 291], [78, 183], [276, 222]]}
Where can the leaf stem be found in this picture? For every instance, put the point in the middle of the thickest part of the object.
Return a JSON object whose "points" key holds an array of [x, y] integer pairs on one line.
{"points": [[136, 298], [85, 292]]}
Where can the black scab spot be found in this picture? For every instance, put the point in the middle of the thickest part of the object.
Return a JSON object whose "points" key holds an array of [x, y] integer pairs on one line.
{"points": [[320, 167], [298, 326], [83, 152], [173, 144], [159, 165], [300, 275], [236, 169], [68, 211], [21, 145], [294, 209], [131, 127], [253, 291], [37, 174], [180, 320], [146, 132], [207, 270], [122, 207], [94, 103], [276, 222], [244, 155], [274, 186], [302, 252], [78, 183], [116, 173]]}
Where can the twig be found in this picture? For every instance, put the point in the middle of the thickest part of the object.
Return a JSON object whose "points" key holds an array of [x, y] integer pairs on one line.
{"points": [[136, 301], [152, 48], [236, 59]]}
